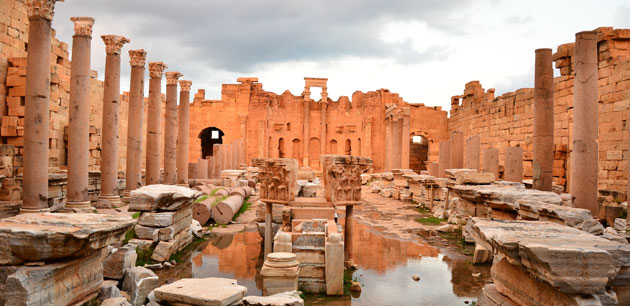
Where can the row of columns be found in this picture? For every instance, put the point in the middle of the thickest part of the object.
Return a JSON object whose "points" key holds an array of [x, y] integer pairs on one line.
{"points": [[35, 193]]}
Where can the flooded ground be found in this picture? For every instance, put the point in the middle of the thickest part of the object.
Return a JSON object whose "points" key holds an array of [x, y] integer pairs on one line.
{"points": [[390, 247]]}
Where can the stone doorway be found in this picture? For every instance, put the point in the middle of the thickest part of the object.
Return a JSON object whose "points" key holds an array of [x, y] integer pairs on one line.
{"points": [[418, 153], [281, 148], [210, 136], [348, 150]]}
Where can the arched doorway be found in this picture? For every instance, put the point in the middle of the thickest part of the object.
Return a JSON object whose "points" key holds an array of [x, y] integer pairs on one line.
{"points": [[281, 147], [297, 150], [418, 153], [348, 149], [332, 147], [210, 136], [313, 154]]}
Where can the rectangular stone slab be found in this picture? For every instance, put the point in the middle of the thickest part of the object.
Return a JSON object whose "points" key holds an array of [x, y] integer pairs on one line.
{"points": [[570, 260], [47, 236], [61, 283], [163, 233], [161, 197], [212, 291], [162, 219]]}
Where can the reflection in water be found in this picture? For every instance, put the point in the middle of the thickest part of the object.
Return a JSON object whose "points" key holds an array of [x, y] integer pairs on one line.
{"points": [[385, 269]]}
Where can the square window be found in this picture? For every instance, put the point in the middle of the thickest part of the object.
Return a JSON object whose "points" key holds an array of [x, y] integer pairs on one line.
{"points": [[215, 134]]}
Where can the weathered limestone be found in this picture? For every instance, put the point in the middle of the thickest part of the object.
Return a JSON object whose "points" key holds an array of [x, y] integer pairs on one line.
{"points": [[139, 282], [280, 273], [473, 152], [291, 298], [154, 122], [543, 121], [445, 157], [216, 153], [579, 218], [37, 106], [469, 176], [457, 150], [584, 154], [202, 169], [183, 124], [135, 119], [111, 105], [491, 161], [46, 236], [171, 128], [278, 178], [224, 211], [119, 260], [211, 167], [334, 252], [64, 282], [79, 115], [209, 291], [161, 197], [513, 164], [433, 169]]}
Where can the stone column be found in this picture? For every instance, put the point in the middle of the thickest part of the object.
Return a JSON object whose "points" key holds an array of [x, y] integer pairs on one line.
{"points": [[216, 153], [491, 162], [513, 164], [202, 169], [171, 129], [584, 155], [153, 122], [457, 150], [445, 158], [323, 141], [433, 169], [37, 106], [243, 151], [79, 115], [134, 121], [349, 233], [473, 149], [183, 130], [405, 141], [261, 139], [306, 134], [268, 228], [543, 121], [111, 105], [388, 145], [368, 137], [228, 156], [211, 166]]}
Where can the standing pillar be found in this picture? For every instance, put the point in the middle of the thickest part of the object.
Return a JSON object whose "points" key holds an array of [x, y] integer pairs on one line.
{"points": [[153, 122], [211, 166], [445, 158], [171, 129], [243, 151], [79, 115], [491, 162], [216, 153], [324, 125], [37, 106], [405, 140], [183, 130], [306, 137], [111, 104], [268, 227], [134, 121], [543, 121], [457, 150], [349, 233], [368, 137], [473, 147], [584, 156], [513, 164]]}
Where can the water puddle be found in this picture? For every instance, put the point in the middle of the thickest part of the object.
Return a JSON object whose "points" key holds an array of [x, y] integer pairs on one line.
{"points": [[385, 269]]}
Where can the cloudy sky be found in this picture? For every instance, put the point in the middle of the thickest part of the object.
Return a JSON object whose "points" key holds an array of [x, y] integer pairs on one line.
{"points": [[425, 50]]}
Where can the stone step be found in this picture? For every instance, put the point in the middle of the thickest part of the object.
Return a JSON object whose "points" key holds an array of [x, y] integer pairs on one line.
{"points": [[310, 255], [310, 202], [312, 285], [308, 225], [312, 270], [309, 239], [307, 213]]}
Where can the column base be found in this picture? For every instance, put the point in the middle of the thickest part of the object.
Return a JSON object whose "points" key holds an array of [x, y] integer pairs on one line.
{"points": [[126, 197], [34, 210], [111, 201], [78, 207], [184, 185]]}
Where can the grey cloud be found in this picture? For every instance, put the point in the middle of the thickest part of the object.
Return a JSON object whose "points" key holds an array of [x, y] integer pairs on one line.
{"points": [[525, 80]]}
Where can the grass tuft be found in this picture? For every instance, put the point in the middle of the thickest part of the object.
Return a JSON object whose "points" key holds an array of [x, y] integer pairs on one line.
{"points": [[429, 220], [246, 205], [136, 215], [200, 199]]}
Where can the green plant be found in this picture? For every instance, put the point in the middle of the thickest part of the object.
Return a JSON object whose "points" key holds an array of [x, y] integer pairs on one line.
{"points": [[422, 210], [200, 199], [136, 215], [129, 234], [429, 220], [214, 191], [347, 281], [144, 255], [223, 225], [246, 205]]}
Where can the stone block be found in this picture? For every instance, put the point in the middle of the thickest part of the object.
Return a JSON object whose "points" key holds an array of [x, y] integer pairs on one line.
{"points": [[211, 291], [161, 197], [342, 177], [165, 249], [139, 282], [118, 260], [162, 219], [291, 298], [278, 180], [280, 273], [334, 264], [164, 233]]}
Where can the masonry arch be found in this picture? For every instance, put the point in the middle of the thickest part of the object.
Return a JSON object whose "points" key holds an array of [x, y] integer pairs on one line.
{"points": [[313, 152], [281, 151], [419, 144], [209, 137], [348, 147], [332, 146], [297, 150]]}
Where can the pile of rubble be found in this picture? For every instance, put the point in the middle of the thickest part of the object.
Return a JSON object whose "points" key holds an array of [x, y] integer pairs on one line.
{"points": [[220, 204]]}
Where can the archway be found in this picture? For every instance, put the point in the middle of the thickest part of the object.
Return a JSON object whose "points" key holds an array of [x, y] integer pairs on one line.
{"points": [[348, 149], [314, 151], [210, 136], [281, 147], [332, 147], [418, 153], [297, 150]]}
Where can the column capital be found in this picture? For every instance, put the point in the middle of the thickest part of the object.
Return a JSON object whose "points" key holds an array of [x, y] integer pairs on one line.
{"points": [[172, 76], [242, 118], [113, 43], [185, 85], [83, 25], [41, 8], [137, 57], [156, 69]]}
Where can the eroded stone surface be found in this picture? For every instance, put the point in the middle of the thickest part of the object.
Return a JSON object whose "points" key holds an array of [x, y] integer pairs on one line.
{"points": [[211, 291], [139, 282], [46, 236], [291, 298], [161, 197]]}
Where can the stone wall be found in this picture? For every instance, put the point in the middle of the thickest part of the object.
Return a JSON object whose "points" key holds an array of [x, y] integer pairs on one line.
{"points": [[507, 120]]}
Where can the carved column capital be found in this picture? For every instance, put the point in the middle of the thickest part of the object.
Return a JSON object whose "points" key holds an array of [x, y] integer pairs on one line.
{"points": [[113, 43], [184, 85], [156, 69], [83, 25], [137, 57], [41, 8], [172, 77]]}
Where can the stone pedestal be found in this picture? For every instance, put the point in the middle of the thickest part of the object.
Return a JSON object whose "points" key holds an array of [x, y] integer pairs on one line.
{"points": [[543, 121], [445, 157], [283, 243], [37, 106], [154, 119], [79, 115], [135, 119], [170, 128], [183, 126], [513, 164], [111, 105], [457, 151], [334, 253], [280, 273], [584, 153], [491, 162], [473, 151], [202, 169]]}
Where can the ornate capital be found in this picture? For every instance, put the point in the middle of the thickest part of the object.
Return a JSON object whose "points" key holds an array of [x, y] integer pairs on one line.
{"points": [[156, 69], [83, 25], [113, 43], [185, 85], [137, 57], [41, 8], [172, 76]]}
